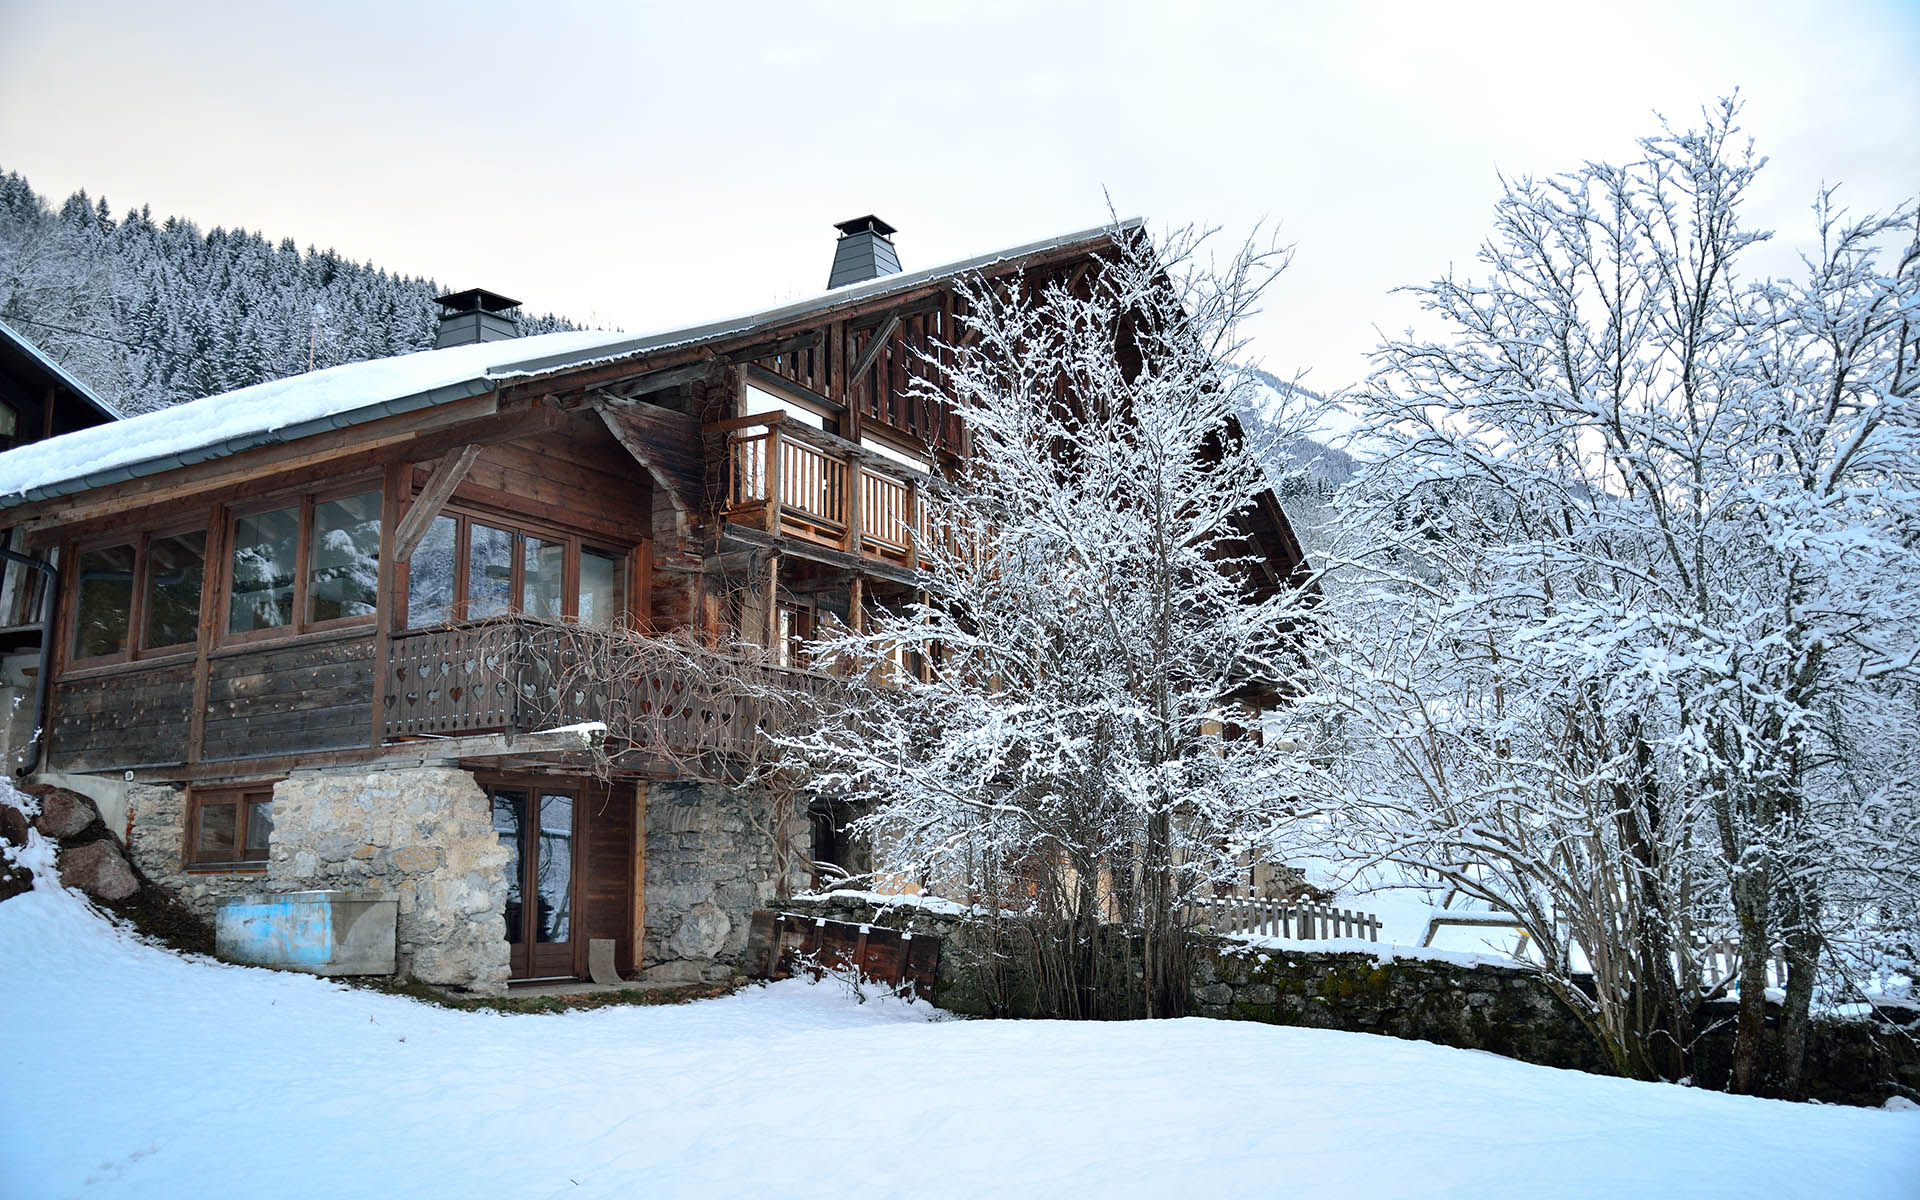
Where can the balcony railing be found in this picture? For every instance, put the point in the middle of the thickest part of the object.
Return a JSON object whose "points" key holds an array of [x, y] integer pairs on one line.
{"points": [[519, 674], [785, 478]]}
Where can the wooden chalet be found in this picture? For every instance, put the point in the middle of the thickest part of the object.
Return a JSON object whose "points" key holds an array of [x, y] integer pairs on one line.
{"points": [[289, 620], [39, 399]]}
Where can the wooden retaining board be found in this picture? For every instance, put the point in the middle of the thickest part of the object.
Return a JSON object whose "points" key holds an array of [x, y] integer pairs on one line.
{"points": [[879, 954]]}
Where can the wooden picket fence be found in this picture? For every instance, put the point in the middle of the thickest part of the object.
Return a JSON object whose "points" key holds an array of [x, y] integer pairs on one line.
{"points": [[1719, 964], [1252, 916]]}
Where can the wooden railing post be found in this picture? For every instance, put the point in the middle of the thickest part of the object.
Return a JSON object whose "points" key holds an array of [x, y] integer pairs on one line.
{"points": [[913, 524], [775, 478], [856, 504]]}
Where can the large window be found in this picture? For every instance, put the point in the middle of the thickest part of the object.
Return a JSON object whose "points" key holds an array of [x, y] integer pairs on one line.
{"points": [[147, 586], [473, 567], [230, 826], [305, 564]]}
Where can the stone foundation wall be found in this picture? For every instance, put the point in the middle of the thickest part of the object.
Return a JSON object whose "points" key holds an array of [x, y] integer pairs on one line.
{"points": [[422, 835], [156, 841], [714, 855]]}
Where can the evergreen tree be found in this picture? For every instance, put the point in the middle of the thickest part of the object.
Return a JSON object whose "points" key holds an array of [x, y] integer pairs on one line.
{"points": [[153, 314]]}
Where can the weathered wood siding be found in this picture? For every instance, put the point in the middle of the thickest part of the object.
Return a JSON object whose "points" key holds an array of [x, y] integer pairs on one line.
{"points": [[313, 694], [608, 870], [132, 717], [581, 478]]}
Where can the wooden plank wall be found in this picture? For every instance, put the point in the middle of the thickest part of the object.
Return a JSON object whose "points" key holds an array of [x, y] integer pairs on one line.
{"points": [[608, 866], [297, 696], [579, 478], [125, 719]]}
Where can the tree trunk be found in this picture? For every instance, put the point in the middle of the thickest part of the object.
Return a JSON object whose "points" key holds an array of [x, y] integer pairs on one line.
{"points": [[1803, 956], [1750, 904]]}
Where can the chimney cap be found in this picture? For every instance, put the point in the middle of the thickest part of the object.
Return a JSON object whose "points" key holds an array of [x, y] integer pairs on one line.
{"points": [[475, 300], [866, 224]]}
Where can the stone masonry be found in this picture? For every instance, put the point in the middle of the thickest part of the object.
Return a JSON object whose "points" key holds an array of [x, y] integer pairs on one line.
{"points": [[424, 836], [156, 841], [714, 855], [1433, 996], [421, 835]]}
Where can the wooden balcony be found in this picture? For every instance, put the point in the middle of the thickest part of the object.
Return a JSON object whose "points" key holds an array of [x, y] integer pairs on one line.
{"points": [[788, 478], [519, 674]]}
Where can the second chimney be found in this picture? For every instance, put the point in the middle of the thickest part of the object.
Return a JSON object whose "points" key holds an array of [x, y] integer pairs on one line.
{"points": [[865, 251], [475, 315]]}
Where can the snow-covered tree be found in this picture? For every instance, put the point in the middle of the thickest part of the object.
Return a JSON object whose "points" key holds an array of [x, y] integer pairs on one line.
{"points": [[153, 314], [1077, 748], [1640, 544]]}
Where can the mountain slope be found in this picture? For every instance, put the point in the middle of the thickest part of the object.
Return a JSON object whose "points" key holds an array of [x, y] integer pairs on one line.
{"points": [[151, 313]]}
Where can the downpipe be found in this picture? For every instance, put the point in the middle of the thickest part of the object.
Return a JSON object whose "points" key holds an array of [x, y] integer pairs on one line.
{"points": [[49, 604]]}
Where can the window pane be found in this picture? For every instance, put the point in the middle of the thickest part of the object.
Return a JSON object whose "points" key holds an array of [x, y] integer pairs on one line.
{"points": [[430, 575], [263, 550], [545, 566], [489, 571], [259, 827], [105, 602], [215, 836], [553, 873], [509, 820], [174, 567], [344, 580], [602, 591]]}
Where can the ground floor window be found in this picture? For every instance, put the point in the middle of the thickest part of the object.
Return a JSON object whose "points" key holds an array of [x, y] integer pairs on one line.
{"points": [[229, 826]]}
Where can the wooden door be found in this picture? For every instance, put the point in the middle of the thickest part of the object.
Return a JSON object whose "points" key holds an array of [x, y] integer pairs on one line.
{"points": [[537, 822]]}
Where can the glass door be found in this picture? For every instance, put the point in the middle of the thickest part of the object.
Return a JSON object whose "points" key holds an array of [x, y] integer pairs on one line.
{"points": [[536, 825]]}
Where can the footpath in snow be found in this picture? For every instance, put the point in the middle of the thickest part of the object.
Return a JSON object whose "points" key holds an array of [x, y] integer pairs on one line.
{"points": [[134, 1072]]}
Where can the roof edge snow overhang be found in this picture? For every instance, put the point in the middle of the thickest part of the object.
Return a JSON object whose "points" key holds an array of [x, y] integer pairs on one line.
{"points": [[522, 371], [227, 447]]}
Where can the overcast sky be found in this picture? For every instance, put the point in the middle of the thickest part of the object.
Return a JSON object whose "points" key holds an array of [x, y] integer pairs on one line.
{"points": [[640, 166]]}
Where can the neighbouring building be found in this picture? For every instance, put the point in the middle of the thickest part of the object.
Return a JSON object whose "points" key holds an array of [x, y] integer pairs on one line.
{"points": [[39, 399], [309, 634]]}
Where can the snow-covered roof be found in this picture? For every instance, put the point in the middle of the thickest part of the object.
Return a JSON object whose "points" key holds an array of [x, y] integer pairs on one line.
{"points": [[67, 379], [284, 410]]}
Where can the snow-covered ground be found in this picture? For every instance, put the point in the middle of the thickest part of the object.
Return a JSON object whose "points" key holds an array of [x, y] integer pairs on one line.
{"points": [[134, 1072]]}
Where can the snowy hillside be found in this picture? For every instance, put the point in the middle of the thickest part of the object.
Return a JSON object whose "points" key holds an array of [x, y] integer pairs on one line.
{"points": [[152, 312], [133, 1072], [1305, 471]]}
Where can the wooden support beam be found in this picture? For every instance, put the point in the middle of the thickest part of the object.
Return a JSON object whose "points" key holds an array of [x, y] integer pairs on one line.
{"points": [[210, 579], [872, 352], [767, 381], [639, 875], [773, 606], [773, 478], [856, 501], [393, 493], [425, 507]]}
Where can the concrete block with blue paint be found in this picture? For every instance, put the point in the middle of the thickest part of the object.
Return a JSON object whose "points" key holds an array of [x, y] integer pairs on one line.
{"points": [[321, 933]]}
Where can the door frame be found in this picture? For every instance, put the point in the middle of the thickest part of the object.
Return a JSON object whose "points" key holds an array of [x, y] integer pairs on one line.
{"points": [[582, 789]]}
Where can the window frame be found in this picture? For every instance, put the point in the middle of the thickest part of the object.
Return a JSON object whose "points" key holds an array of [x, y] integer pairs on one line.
{"points": [[70, 643], [135, 649], [142, 575], [574, 544], [303, 503], [243, 796]]}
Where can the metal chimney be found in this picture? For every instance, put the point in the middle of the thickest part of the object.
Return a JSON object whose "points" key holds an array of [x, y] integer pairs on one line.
{"points": [[475, 315], [865, 251]]}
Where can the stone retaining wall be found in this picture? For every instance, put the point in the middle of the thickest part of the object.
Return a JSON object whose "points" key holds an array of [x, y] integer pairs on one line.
{"points": [[1437, 997], [715, 855]]}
